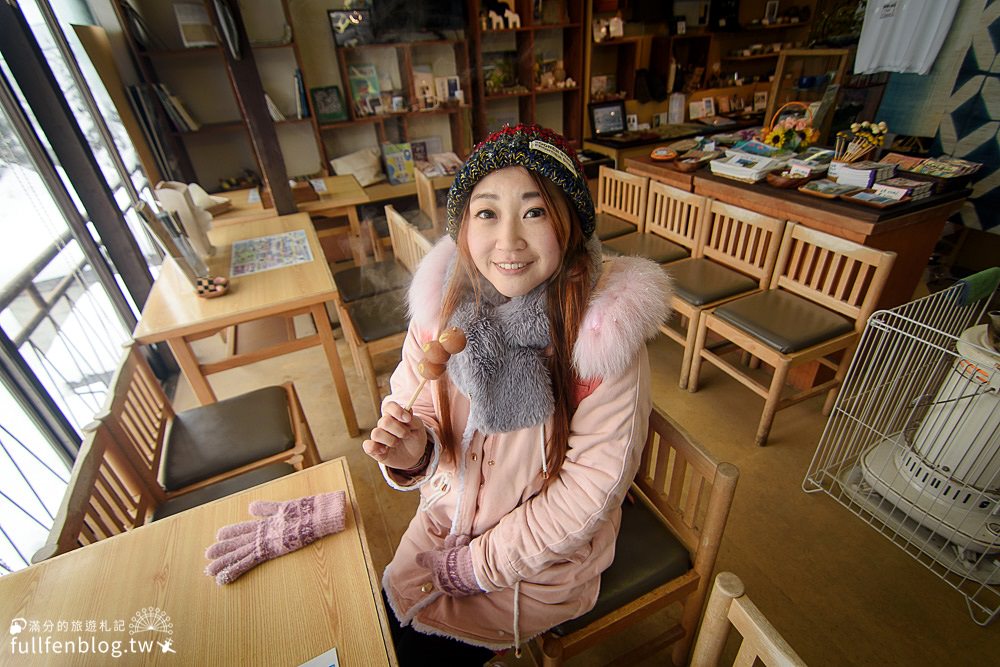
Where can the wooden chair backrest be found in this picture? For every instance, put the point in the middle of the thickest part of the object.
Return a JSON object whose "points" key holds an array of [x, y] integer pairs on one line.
{"points": [[728, 606], [401, 237], [676, 215], [138, 413], [743, 240], [836, 273], [427, 198], [622, 195], [690, 490], [104, 497]]}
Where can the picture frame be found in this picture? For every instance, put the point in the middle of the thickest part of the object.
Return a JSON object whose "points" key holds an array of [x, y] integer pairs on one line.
{"points": [[328, 103], [365, 90], [351, 27], [771, 11], [708, 105]]}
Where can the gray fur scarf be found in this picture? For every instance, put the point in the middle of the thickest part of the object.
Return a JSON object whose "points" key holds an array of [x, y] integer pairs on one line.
{"points": [[502, 369]]}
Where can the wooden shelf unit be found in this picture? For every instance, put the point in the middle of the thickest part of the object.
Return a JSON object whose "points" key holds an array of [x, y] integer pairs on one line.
{"points": [[563, 22], [200, 77]]}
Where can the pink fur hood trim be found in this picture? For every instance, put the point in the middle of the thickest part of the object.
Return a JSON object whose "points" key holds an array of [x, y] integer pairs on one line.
{"points": [[630, 301]]}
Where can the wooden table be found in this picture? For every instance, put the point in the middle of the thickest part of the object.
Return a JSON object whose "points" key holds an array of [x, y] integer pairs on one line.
{"points": [[643, 165], [911, 230], [343, 195], [175, 315], [283, 612]]}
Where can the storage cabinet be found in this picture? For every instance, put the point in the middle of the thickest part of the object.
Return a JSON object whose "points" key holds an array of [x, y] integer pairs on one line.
{"points": [[516, 72], [221, 146], [406, 76]]}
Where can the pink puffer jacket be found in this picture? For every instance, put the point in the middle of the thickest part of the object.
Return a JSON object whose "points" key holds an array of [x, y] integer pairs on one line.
{"points": [[538, 553]]}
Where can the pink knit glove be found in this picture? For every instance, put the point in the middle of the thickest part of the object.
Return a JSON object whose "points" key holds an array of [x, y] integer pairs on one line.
{"points": [[451, 567], [285, 526]]}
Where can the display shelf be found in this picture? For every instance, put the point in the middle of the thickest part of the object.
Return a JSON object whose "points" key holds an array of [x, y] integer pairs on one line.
{"points": [[556, 35]]}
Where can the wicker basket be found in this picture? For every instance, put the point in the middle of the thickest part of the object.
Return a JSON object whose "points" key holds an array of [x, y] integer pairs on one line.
{"points": [[777, 116], [775, 179]]}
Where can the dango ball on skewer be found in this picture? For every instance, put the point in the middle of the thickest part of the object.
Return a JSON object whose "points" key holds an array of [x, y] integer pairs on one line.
{"points": [[429, 370], [452, 340], [435, 353]]}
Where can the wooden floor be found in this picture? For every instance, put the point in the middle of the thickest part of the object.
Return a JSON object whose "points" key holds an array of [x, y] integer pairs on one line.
{"points": [[840, 593]]}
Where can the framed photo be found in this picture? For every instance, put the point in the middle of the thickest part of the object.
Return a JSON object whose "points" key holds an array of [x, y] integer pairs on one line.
{"points": [[760, 100], [709, 107], [351, 27], [771, 11], [328, 102]]}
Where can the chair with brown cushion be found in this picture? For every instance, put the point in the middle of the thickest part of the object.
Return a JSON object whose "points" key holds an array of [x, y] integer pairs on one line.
{"points": [[729, 607], [820, 296], [107, 495], [666, 548], [621, 203], [104, 497], [197, 448], [662, 233], [734, 257], [377, 324]]}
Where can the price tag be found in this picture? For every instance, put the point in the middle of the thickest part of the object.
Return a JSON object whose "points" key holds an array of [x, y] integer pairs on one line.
{"points": [[798, 170]]}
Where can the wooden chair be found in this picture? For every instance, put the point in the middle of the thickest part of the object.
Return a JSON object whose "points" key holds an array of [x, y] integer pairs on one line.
{"points": [[433, 217], [666, 548], [821, 294], [735, 256], [729, 607], [188, 451], [104, 497], [666, 231], [111, 490], [621, 203], [377, 323]]}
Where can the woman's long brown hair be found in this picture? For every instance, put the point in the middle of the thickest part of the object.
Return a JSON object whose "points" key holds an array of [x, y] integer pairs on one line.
{"points": [[568, 294]]}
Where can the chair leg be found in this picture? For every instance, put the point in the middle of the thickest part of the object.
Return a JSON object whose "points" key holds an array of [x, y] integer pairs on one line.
{"points": [[552, 651], [371, 379], [699, 345], [689, 344], [771, 404], [831, 396]]}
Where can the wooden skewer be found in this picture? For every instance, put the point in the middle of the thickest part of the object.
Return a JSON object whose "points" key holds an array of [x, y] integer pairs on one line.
{"points": [[436, 355]]}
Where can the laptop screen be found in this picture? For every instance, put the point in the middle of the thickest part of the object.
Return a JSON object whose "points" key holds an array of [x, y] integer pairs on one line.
{"points": [[607, 118]]}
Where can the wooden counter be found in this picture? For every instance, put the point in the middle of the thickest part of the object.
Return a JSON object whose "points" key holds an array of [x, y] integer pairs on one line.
{"points": [[910, 230], [661, 171]]}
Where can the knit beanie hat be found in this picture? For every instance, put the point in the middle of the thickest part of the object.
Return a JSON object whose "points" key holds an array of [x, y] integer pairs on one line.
{"points": [[535, 148]]}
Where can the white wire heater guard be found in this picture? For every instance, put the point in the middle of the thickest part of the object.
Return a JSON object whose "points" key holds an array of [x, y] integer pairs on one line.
{"points": [[912, 446]]}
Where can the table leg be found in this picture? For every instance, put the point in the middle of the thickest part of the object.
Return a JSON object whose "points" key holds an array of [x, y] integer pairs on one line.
{"points": [[322, 322], [192, 370]]}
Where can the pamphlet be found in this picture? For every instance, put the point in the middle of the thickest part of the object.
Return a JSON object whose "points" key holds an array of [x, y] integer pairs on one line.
{"points": [[270, 252]]}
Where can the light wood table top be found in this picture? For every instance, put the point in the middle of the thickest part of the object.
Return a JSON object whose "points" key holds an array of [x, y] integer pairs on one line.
{"points": [[173, 308], [282, 612], [341, 192], [176, 315]]}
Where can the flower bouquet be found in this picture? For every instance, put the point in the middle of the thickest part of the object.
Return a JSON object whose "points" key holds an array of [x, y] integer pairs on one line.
{"points": [[860, 142], [792, 133]]}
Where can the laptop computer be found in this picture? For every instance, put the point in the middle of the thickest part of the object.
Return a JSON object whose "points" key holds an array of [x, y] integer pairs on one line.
{"points": [[607, 123]]}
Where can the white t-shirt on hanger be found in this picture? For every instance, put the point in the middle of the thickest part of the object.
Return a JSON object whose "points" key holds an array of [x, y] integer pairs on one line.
{"points": [[903, 35]]}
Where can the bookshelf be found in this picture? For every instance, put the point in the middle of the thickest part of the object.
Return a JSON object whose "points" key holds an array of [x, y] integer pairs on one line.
{"points": [[391, 90], [511, 66], [219, 145]]}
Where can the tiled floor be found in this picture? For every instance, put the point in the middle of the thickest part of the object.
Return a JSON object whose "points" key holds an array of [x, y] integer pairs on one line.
{"points": [[840, 593]]}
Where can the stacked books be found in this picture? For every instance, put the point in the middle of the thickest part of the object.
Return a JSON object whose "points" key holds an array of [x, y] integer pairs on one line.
{"points": [[946, 167], [898, 188], [865, 174], [744, 166], [812, 162]]}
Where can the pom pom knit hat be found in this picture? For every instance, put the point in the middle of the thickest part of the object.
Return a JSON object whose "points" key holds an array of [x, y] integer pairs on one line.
{"points": [[535, 148]]}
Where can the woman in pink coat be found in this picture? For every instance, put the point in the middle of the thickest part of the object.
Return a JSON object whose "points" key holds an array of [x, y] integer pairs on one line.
{"points": [[523, 451]]}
